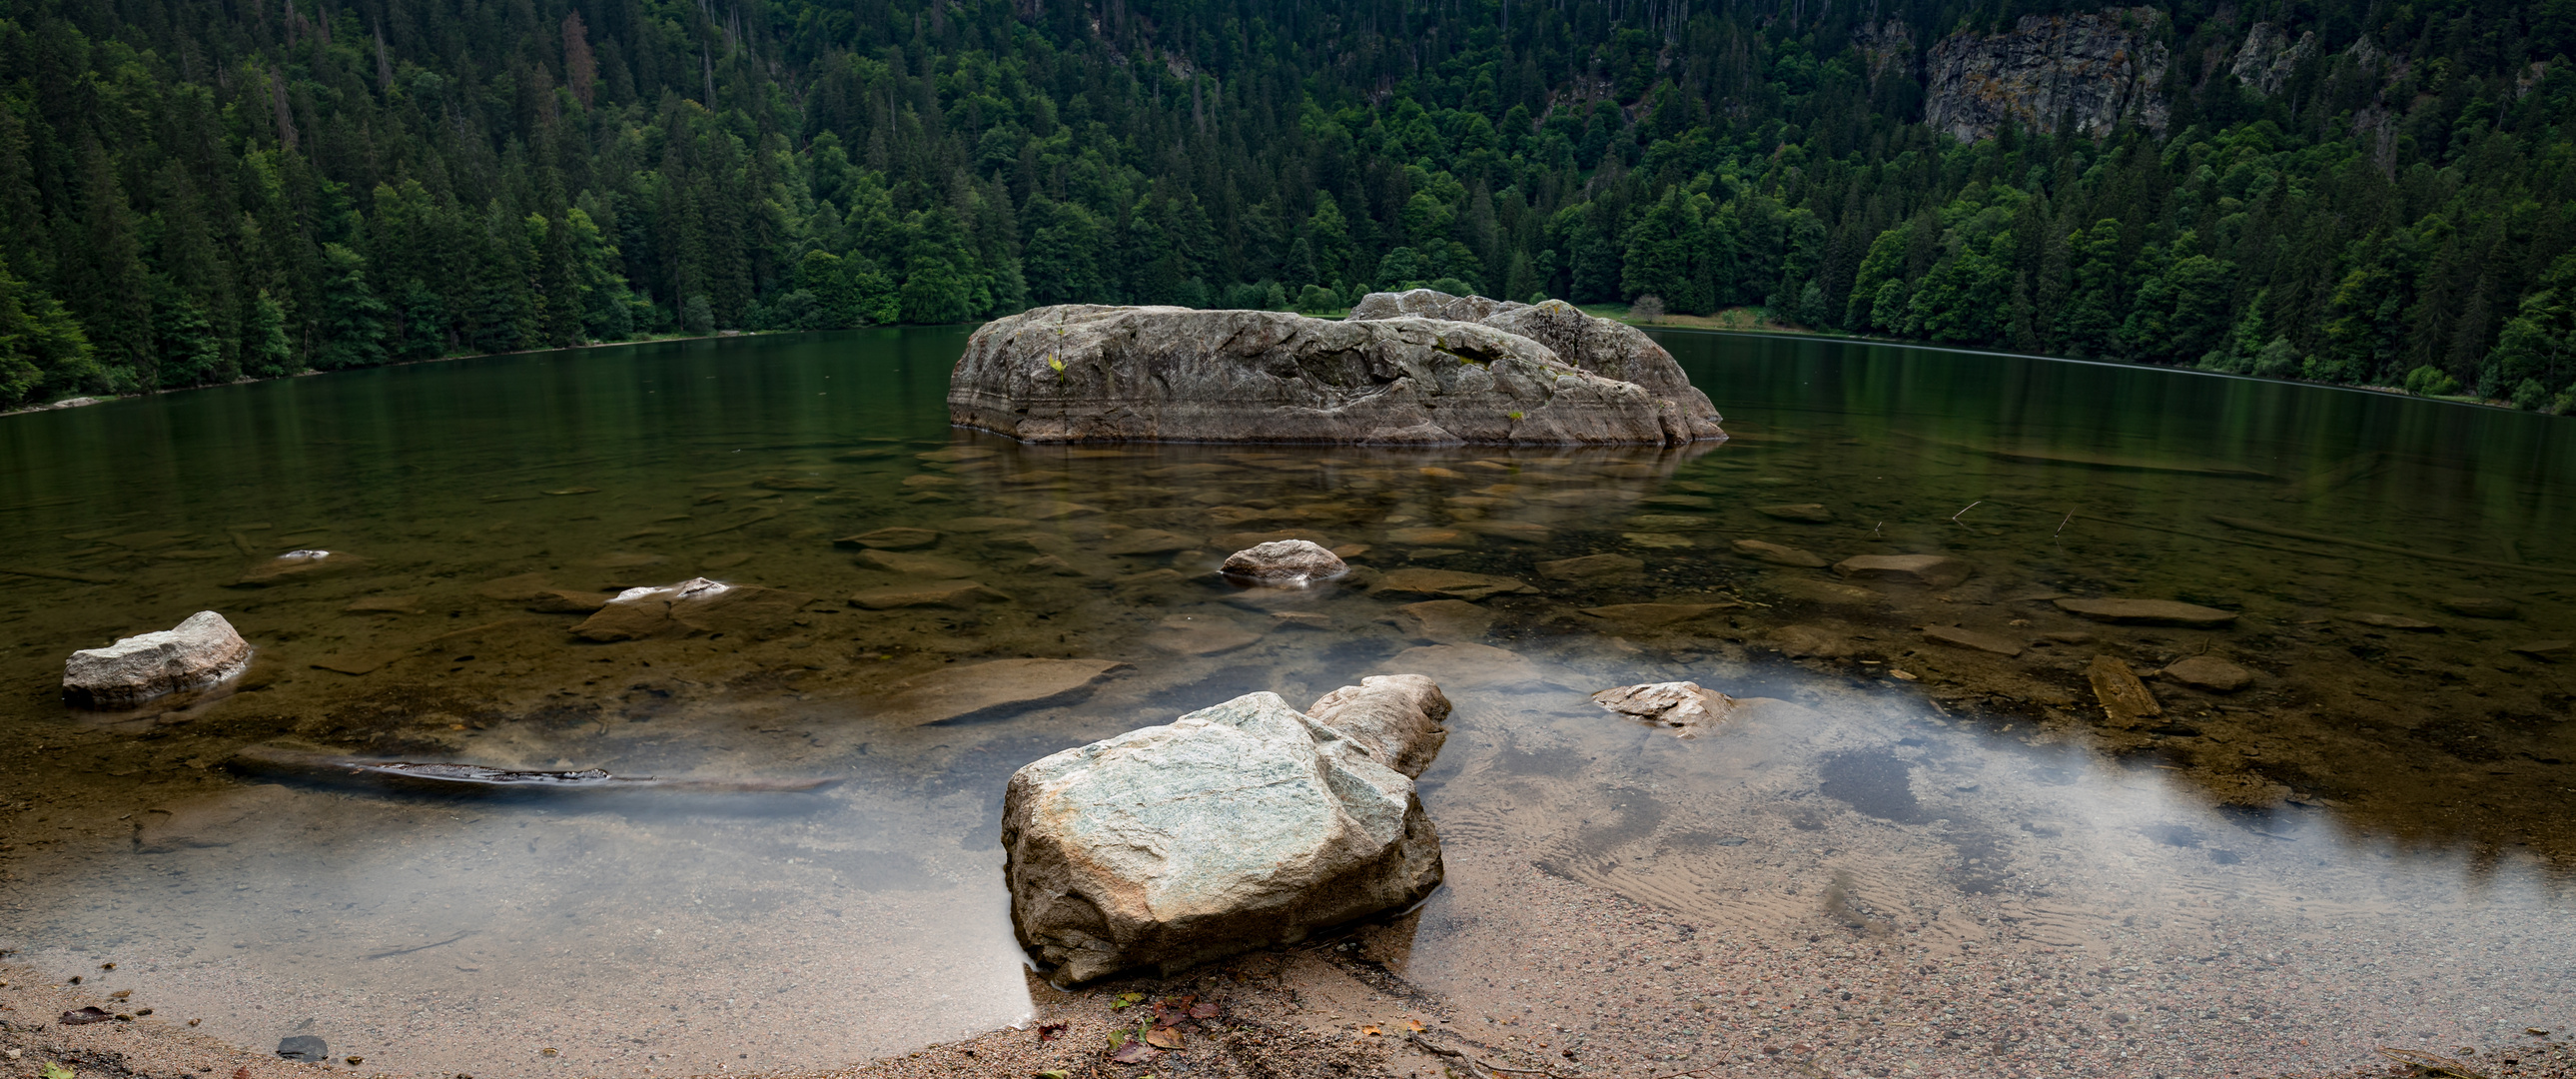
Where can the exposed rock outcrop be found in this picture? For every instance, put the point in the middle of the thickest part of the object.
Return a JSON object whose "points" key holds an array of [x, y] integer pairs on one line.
{"points": [[2088, 70], [195, 654], [1599, 345], [2269, 57], [1081, 372], [1231, 828]]}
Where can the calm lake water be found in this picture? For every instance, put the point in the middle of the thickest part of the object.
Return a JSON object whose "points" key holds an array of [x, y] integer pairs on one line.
{"points": [[2388, 798]]}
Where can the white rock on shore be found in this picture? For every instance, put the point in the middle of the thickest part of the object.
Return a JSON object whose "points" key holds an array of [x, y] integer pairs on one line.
{"points": [[197, 653], [1232, 828]]}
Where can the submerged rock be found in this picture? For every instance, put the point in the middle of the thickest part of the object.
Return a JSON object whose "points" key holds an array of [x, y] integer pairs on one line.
{"points": [[1083, 372], [1445, 620], [1969, 638], [1594, 569], [2208, 672], [696, 604], [1929, 570], [1811, 642], [2391, 621], [1454, 584], [926, 594], [298, 565], [1779, 555], [1000, 687], [218, 820], [2122, 696], [1284, 562], [1235, 827], [2480, 607], [890, 539], [1683, 706], [195, 654], [2152, 612], [1809, 512]]}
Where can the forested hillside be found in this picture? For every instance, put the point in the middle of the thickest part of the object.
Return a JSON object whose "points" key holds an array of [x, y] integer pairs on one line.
{"points": [[194, 191]]}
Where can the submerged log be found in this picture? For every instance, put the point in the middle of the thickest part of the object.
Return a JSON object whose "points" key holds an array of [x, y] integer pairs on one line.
{"points": [[435, 775]]}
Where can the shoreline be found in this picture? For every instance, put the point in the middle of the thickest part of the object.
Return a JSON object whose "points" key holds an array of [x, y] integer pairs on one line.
{"points": [[1712, 324]]}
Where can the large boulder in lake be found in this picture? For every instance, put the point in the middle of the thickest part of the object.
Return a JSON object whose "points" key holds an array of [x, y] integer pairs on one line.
{"points": [[1081, 372], [1232, 828], [1599, 345], [197, 653]]}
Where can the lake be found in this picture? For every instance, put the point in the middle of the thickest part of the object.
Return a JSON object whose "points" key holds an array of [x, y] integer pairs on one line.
{"points": [[2366, 843]]}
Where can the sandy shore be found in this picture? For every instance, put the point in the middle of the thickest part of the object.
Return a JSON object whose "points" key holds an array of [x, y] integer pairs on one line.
{"points": [[1607, 988]]}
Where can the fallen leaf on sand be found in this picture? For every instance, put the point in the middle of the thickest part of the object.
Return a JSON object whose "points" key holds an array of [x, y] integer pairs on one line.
{"points": [[1371, 1030], [1126, 1000], [1131, 1053], [1048, 1032], [1415, 1025], [1163, 1038], [85, 1015], [1051, 1073]]}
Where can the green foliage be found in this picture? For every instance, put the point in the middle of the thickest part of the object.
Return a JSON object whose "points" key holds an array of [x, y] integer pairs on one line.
{"points": [[43, 352], [213, 192]]}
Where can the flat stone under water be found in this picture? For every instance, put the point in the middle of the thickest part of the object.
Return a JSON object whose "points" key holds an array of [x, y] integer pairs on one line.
{"points": [[1921, 769]]}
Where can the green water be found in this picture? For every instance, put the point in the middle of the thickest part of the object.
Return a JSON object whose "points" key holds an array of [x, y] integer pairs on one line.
{"points": [[1893, 787]]}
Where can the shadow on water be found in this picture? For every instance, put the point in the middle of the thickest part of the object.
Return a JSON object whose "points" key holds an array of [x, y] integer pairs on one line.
{"points": [[1917, 762]]}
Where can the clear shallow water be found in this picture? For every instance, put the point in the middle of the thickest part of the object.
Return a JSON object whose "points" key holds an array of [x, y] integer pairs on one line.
{"points": [[2406, 783]]}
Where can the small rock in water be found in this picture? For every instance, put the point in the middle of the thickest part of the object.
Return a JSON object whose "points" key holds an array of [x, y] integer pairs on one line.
{"points": [[1657, 541], [890, 539], [1468, 666], [1778, 555], [2150, 612], [1810, 642], [199, 652], [83, 1017], [1592, 568], [1445, 620], [303, 1047], [1929, 570], [2122, 695], [2480, 607], [1683, 706], [2208, 672], [1969, 638], [2390, 621], [1284, 562], [1810, 512]]}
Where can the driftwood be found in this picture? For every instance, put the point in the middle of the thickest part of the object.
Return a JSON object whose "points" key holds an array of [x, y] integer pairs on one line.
{"points": [[446, 776]]}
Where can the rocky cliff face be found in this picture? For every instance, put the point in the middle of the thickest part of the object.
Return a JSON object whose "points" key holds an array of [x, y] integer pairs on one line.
{"points": [[2269, 56], [2090, 71]]}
